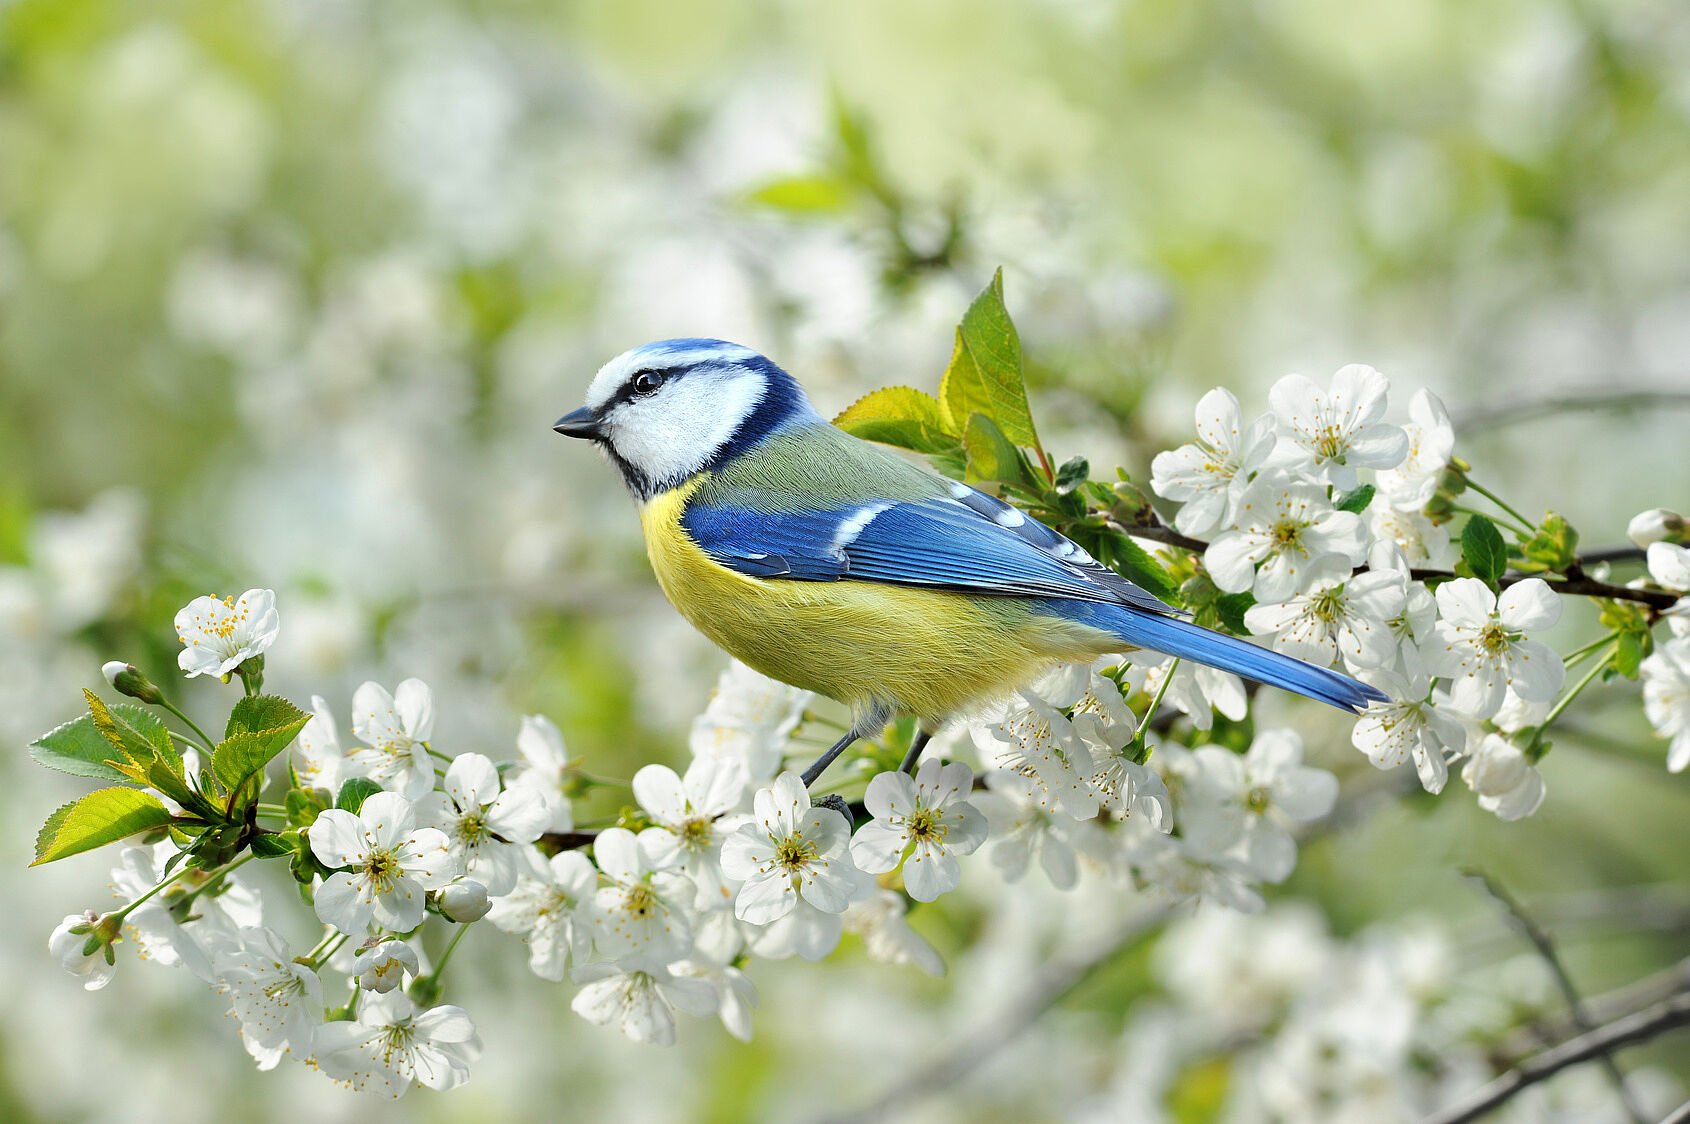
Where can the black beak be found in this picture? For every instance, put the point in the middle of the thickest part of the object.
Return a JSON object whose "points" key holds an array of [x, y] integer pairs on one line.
{"points": [[579, 423]]}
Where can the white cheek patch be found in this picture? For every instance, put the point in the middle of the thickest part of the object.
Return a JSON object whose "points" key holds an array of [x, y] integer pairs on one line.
{"points": [[674, 433]]}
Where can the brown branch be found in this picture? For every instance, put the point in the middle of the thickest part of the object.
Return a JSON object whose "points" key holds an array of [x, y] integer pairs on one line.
{"points": [[555, 841], [1563, 980], [1649, 1023], [1603, 1008], [1578, 585], [1513, 411]]}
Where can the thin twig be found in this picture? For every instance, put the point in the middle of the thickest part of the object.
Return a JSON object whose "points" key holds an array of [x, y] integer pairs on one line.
{"points": [[1563, 980], [1679, 1115], [1056, 980], [1640, 1027], [1604, 1008], [1505, 412]]}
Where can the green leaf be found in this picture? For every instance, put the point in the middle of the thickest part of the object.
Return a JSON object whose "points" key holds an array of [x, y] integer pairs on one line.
{"points": [[303, 805], [1137, 566], [1072, 474], [256, 713], [78, 748], [134, 733], [1231, 608], [1483, 550], [354, 792], [274, 846], [805, 194], [985, 373], [103, 816], [991, 455], [1356, 502], [1628, 654], [901, 416]]}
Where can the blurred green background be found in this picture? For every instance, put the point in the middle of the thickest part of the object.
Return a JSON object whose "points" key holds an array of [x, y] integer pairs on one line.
{"points": [[291, 292]]}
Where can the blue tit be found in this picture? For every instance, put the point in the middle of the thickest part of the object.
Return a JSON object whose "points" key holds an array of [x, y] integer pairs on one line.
{"points": [[835, 565]]}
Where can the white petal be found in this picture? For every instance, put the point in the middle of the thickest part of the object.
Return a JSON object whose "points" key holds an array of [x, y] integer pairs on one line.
{"points": [[617, 852], [415, 704], [659, 791], [472, 780], [1528, 605], [877, 846], [765, 898]]}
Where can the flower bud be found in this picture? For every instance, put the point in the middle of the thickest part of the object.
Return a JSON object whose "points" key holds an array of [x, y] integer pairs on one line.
{"points": [[128, 680], [1655, 525], [464, 901], [383, 968], [82, 943]]}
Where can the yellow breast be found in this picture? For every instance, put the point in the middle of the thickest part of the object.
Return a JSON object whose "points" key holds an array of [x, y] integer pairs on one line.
{"points": [[925, 652]]}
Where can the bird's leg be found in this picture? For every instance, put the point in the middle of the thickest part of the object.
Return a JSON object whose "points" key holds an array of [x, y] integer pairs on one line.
{"points": [[808, 776], [917, 744]]}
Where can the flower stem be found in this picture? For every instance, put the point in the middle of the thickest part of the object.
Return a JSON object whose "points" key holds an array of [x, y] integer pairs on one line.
{"points": [[1579, 654], [1516, 527], [171, 707], [1156, 703], [131, 907], [1562, 703], [1498, 501], [323, 949]]}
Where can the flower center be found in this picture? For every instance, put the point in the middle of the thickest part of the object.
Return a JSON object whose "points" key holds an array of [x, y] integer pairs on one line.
{"points": [[1258, 800], [1327, 605], [640, 901], [1330, 444], [382, 869], [1493, 641], [1285, 533], [923, 825], [696, 833], [795, 852], [284, 986], [472, 828]]}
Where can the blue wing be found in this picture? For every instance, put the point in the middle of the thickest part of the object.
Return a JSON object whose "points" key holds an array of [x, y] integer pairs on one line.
{"points": [[966, 541]]}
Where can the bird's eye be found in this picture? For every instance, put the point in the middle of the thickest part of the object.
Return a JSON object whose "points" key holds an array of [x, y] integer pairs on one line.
{"points": [[647, 382]]}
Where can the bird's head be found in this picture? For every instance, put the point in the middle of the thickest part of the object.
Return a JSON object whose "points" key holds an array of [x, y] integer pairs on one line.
{"points": [[667, 410]]}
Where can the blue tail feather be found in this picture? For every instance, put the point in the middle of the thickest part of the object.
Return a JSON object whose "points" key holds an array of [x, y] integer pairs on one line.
{"points": [[1188, 641]]}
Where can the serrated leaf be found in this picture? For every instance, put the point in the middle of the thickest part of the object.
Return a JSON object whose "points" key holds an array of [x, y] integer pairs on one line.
{"points": [[1629, 653], [901, 416], [77, 748], [133, 732], [1356, 502], [805, 194], [985, 374], [271, 846], [255, 713], [1072, 474], [103, 816], [1483, 550], [354, 792], [246, 752], [991, 455]]}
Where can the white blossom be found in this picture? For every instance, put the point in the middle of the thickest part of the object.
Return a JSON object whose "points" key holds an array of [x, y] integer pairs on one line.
{"points": [[1285, 527], [464, 900], [1029, 734], [392, 1045], [1669, 565], [221, 633], [1480, 645], [483, 824], [791, 849], [879, 920], [748, 721], [318, 761], [67, 947], [546, 769], [927, 815], [1208, 476], [1655, 525], [1411, 485], [806, 932], [1505, 782], [643, 916], [547, 909], [642, 1003], [392, 861], [277, 1000], [1240, 806], [395, 729], [1330, 433], [736, 995], [1421, 540], [1196, 690], [1666, 698], [1026, 827], [1408, 728], [692, 818], [385, 966], [1341, 614], [153, 925]]}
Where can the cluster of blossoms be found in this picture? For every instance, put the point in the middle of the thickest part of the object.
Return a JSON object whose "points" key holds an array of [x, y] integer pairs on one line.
{"points": [[1276, 1018], [1119, 766]]}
